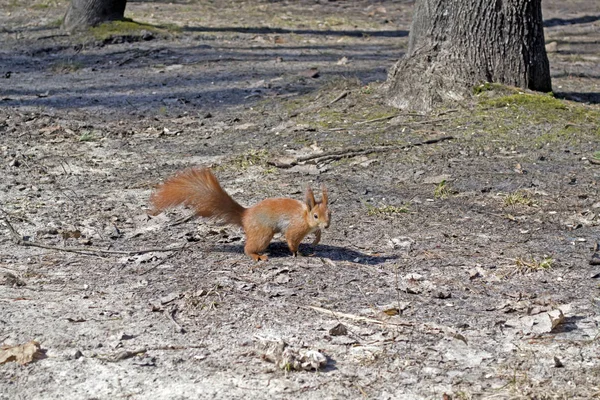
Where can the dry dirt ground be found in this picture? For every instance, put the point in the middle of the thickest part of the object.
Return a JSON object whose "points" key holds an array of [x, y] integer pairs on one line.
{"points": [[460, 267]]}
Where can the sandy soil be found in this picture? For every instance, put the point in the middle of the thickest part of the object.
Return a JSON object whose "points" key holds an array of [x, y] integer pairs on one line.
{"points": [[459, 267]]}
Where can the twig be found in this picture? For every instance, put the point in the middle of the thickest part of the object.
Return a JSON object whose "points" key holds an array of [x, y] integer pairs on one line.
{"points": [[18, 239], [171, 316], [341, 96], [121, 355], [356, 151], [427, 121], [358, 317], [452, 110], [377, 119], [183, 220], [161, 262]]}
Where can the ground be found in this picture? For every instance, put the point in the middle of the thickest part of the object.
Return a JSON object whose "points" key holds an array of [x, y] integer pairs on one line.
{"points": [[457, 261]]}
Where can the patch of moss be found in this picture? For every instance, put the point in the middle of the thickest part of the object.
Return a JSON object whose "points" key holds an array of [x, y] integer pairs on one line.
{"points": [[567, 134], [55, 24], [40, 6], [534, 102], [519, 197], [386, 210], [128, 27], [443, 190], [487, 87], [250, 158], [507, 117]]}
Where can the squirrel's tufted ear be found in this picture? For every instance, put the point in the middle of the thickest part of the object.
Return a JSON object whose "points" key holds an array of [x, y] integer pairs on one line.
{"points": [[309, 198], [324, 194]]}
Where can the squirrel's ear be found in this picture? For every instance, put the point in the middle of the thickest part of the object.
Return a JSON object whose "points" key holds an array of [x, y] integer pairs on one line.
{"points": [[324, 194], [310, 198]]}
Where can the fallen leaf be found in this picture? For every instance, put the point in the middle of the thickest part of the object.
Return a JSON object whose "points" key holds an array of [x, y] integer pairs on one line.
{"points": [[289, 358], [22, 354], [310, 73], [540, 323]]}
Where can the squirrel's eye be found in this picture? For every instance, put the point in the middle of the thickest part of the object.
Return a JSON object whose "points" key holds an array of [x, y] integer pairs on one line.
{"points": [[316, 216]]}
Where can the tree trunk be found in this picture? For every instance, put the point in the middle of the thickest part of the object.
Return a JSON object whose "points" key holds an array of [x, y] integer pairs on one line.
{"points": [[457, 44], [85, 13]]}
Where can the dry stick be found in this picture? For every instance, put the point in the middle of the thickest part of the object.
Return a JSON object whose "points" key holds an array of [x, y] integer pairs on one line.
{"points": [[427, 121], [341, 96], [183, 220], [164, 260], [125, 354], [452, 110], [423, 326], [80, 250], [171, 316], [377, 119], [357, 317], [355, 151]]}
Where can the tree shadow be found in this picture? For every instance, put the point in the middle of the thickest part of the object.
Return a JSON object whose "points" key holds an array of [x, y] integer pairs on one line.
{"points": [[580, 97], [573, 21], [284, 31], [188, 87]]}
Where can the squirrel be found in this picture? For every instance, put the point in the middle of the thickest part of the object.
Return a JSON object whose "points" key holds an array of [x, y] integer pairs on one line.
{"points": [[199, 189]]}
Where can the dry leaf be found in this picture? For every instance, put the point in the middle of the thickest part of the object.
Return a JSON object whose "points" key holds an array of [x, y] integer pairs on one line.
{"points": [[544, 322], [23, 353], [289, 358], [310, 73]]}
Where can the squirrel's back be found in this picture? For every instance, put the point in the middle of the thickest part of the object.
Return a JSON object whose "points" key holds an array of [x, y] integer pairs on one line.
{"points": [[200, 190]]}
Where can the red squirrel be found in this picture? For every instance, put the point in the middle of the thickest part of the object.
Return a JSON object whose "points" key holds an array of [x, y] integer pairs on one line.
{"points": [[199, 189]]}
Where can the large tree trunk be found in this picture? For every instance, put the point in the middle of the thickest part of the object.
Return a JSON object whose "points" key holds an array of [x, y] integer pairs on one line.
{"points": [[457, 44], [85, 13]]}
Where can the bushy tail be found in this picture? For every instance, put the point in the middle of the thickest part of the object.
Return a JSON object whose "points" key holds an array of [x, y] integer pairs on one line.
{"points": [[200, 190]]}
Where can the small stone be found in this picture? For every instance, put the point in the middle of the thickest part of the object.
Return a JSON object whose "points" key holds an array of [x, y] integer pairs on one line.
{"points": [[442, 294], [338, 330], [558, 363]]}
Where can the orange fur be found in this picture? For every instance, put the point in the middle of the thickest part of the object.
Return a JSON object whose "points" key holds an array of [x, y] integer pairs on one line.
{"points": [[200, 190]]}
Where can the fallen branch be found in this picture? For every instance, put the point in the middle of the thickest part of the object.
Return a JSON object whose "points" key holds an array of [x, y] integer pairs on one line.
{"points": [[350, 152], [18, 239]]}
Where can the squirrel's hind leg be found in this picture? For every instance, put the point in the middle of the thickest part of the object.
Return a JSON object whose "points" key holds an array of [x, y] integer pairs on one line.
{"points": [[257, 242]]}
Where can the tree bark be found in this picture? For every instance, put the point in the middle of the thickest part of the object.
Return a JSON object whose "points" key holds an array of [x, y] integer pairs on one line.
{"points": [[85, 13], [457, 44]]}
